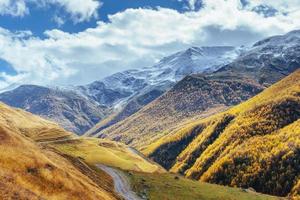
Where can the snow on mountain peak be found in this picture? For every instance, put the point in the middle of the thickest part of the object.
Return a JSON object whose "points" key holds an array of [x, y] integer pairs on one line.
{"points": [[168, 70], [290, 39]]}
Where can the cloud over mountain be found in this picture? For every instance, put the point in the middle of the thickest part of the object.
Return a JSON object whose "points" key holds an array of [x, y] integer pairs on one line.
{"points": [[123, 42]]}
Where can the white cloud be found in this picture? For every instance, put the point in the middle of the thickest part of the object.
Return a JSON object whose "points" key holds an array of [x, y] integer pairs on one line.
{"points": [[137, 38], [79, 10], [281, 5], [13, 7], [191, 5], [58, 20]]}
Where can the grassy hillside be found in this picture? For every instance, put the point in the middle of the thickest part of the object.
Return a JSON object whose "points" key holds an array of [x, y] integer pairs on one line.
{"points": [[32, 171], [170, 187], [255, 144], [30, 125], [194, 97], [95, 151]]}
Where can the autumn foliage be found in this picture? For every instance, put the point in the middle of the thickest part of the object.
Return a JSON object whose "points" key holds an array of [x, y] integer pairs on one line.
{"points": [[255, 144]]}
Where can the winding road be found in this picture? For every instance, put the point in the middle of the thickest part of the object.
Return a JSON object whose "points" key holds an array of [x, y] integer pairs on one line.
{"points": [[122, 185]]}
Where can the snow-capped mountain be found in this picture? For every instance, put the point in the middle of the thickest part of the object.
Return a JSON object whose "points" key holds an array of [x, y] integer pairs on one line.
{"points": [[265, 62], [268, 60], [136, 88], [193, 60], [120, 86]]}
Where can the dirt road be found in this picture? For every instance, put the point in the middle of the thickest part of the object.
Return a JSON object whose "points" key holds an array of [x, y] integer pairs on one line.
{"points": [[122, 185]]}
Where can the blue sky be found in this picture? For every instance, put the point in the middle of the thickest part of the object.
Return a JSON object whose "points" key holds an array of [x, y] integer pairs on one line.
{"points": [[62, 42], [41, 19]]}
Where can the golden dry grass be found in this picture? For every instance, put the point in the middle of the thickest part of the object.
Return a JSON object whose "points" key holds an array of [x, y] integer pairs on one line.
{"points": [[30, 125], [97, 151], [29, 172], [32, 171]]}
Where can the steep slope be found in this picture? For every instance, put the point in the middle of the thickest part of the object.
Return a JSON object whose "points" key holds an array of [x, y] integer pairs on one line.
{"points": [[31, 171], [255, 144], [256, 68], [72, 111], [131, 106], [194, 96]]}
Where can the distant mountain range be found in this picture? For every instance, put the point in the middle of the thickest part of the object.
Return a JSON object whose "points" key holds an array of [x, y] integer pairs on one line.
{"points": [[118, 96]]}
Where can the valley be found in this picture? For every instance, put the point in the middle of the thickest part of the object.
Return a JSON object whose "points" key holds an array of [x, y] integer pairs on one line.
{"points": [[205, 123]]}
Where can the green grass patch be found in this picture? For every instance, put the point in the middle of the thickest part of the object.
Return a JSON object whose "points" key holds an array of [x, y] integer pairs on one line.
{"points": [[170, 187]]}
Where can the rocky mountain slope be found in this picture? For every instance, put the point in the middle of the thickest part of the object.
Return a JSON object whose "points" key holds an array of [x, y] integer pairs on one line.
{"points": [[71, 110], [261, 65], [255, 144]]}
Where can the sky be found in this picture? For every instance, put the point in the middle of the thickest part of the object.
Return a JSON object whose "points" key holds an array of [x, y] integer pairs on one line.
{"points": [[75, 42]]}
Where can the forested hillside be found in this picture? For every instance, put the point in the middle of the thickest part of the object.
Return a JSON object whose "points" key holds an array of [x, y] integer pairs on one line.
{"points": [[195, 96], [255, 144]]}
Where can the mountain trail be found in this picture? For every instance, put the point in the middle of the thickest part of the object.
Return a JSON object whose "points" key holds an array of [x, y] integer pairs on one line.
{"points": [[122, 185]]}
